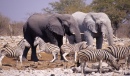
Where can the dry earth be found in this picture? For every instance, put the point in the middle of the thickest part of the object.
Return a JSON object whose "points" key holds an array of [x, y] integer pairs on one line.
{"points": [[43, 67]]}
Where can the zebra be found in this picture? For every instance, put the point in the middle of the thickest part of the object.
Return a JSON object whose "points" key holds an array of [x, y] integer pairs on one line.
{"points": [[13, 52], [96, 55], [120, 52], [47, 48], [67, 48]]}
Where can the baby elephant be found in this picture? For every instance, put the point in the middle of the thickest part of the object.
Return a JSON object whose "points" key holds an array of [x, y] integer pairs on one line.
{"points": [[67, 48], [47, 48]]}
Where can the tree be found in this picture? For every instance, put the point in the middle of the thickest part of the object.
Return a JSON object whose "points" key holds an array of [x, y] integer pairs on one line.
{"points": [[17, 28], [7, 28], [67, 6], [117, 10], [4, 25]]}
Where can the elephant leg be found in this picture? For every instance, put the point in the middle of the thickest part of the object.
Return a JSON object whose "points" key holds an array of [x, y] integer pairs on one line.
{"points": [[88, 37], [24, 57], [99, 41], [34, 54], [60, 42]]}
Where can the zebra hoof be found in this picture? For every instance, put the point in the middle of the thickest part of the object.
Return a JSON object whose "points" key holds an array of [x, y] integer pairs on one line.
{"points": [[51, 61], [66, 61]]}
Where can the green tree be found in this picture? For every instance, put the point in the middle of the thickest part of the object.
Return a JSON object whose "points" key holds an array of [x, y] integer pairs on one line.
{"points": [[117, 10], [67, 6]]}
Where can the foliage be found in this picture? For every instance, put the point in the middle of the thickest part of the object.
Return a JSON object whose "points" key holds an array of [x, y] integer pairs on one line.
{"points": [[8, 28], [67, 6], [4, 23], [17, 28], [123, 31], [117, 10]]}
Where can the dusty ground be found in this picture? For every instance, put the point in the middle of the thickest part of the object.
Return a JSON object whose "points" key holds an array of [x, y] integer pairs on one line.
{"points": [[43, 63]]}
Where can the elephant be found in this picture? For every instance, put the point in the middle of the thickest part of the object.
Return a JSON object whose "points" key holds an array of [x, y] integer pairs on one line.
{"points": [[94, 25], [51, 28]]}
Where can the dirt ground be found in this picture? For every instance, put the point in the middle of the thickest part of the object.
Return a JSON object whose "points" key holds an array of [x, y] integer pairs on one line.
{"points": [[43, 63]]}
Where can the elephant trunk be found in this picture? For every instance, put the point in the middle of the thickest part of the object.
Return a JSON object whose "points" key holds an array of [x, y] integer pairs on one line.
{"points": [[77, 36], [109, 33], [76, 33]]}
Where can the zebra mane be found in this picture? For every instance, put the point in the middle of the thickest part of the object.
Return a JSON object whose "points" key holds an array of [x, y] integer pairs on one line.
{"points": [[20, 42]]}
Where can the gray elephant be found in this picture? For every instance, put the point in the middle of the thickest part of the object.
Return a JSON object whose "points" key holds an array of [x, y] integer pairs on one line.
{"points": [[51, 28], [94, 25]]}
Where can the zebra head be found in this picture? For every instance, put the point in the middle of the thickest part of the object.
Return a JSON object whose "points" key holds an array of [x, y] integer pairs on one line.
{"points": [[114, 63], [38, 41], [23, 43], [82, 45]]}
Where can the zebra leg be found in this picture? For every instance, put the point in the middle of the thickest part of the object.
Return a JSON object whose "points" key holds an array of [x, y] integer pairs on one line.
{"points": [[39, 53], [1, 60], [54, 57], [64, 55], [100, 66], [75, 56], [20, 58], [126, 67], [83, 67]]}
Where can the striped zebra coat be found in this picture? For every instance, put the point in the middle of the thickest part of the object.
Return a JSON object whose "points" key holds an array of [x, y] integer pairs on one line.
{"points": [[13, 52], [120, 52], [74, 48], [47, 48], [96, 55]]}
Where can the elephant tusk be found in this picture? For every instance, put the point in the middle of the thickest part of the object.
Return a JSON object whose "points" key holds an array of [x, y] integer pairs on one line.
{"points": [[80, 33]]}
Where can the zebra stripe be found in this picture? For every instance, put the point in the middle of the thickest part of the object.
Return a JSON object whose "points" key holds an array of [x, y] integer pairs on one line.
{"points": [[9, 51], [120, 52], [47, 47], [96, 55], [17, 51], [67, 48]]}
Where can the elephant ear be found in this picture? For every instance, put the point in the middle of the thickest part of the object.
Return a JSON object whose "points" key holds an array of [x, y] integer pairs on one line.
{"points": [[55, 26], [90, 24]]}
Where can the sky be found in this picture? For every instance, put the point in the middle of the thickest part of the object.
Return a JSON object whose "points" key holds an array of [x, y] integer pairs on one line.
{"points": [[19, 10]]}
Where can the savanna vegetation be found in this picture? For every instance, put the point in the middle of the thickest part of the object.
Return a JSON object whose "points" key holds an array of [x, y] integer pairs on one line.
{"points": [[117, 10]]}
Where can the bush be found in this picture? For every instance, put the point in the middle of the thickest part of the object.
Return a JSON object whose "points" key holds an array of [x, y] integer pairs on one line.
{"points": [[17, 28], [123, 31]]}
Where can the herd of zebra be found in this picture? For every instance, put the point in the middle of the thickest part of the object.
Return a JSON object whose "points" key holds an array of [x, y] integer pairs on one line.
{"points": [[83, 52]]}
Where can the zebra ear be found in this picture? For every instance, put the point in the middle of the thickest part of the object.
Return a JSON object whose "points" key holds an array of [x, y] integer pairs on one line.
{"points": [[36, 38]]}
